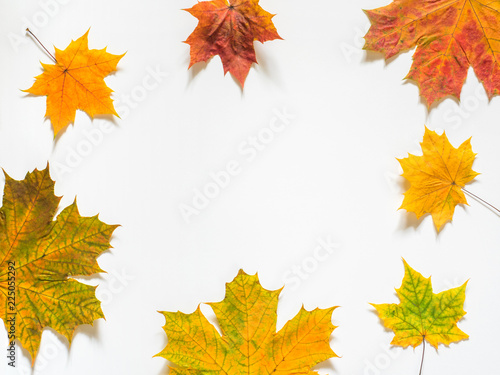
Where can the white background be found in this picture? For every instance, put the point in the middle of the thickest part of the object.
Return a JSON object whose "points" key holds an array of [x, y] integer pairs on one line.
{"points": [[331, 174]]}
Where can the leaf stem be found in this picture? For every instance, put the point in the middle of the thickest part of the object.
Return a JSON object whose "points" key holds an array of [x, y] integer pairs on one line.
{"points": [[422, 361], [481, 200], [46, 50]]}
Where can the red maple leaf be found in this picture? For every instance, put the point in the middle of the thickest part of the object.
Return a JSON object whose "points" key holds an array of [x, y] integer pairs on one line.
{"points": [[229, 30], [450, 36]]}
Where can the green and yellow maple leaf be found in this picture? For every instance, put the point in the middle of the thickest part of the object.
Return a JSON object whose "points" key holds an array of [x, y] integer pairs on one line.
{"points": [[249, 343], [437, 177], [39, 258], [421, 314]]}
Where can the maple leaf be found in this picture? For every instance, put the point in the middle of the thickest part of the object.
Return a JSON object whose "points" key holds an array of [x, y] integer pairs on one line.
{"points": [[39, 257], [228, 29], [421, 314], [450, 36], [437, 177], [249, 342], [76, 81]]}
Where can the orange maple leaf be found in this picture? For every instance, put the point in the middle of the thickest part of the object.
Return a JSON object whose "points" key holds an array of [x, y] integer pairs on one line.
{"points": [[39, 258], [229, 30], [249, 343], [437, 177], [450, 36], [76, 81]]}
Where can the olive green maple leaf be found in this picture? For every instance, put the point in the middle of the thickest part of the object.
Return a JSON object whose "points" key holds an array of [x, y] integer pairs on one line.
{"points": [[40, 256]]}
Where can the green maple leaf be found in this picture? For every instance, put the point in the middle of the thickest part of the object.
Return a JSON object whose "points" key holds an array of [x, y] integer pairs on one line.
{"points": [[39, 258], [421, 314]]}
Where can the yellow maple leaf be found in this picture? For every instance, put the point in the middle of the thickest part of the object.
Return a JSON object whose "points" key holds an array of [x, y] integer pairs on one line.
{"points": [[39, 258], [76, 81], [437, 177], [421, 314], [249, 343]]}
